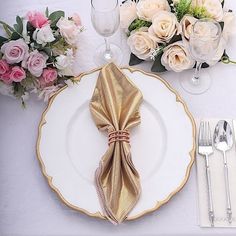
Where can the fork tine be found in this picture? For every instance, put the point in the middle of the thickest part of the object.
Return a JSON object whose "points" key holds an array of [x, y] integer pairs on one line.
{"points": [[204, 133], [209, 134], [200, 135]]}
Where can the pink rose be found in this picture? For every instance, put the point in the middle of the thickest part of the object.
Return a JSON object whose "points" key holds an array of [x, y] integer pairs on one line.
{"points": [[37, 19], [6, 78], [48, 77], [17, 74], [76, 19], [4, 67], [15, 51], [35, 63]]}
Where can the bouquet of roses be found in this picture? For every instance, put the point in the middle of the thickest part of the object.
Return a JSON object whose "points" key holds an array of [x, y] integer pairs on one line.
{"points": [[159, 30], [37, 55]]}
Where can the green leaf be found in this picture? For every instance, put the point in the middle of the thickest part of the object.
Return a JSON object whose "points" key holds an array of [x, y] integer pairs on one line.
{"points": [[182, 8], [7, 26], [19, 90], [8, 32], [222, 25], [2, 40], [15, 36], [223, 3], [134, 60], [8, 29], [204, 65], [19, 26], [157, 66], [138, 23], [175, 38], [48, 51], [47, 12], [55, 17], [30, 29]]}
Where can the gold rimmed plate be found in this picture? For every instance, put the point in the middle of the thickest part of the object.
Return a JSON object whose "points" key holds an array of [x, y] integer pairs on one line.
{"points": [[69, 146]]}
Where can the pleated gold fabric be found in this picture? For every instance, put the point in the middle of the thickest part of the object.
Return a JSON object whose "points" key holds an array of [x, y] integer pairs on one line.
{"points": [[115, 107]]}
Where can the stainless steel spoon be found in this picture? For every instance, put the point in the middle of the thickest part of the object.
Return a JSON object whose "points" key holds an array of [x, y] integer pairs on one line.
{"points": [[223, 141]]}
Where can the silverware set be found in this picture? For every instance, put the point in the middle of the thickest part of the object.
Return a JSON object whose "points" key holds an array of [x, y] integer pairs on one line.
{"points": [[222, 141]]}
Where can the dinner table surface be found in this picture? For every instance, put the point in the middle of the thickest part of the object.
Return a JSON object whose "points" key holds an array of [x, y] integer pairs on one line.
{"points": [[29, 207]]}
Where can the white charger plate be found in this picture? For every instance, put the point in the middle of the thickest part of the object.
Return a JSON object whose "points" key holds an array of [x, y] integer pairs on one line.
{"points": [[69, 146]]}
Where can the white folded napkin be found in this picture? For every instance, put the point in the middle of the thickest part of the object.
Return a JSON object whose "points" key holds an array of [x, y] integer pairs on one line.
{"points": [[217, 180]]}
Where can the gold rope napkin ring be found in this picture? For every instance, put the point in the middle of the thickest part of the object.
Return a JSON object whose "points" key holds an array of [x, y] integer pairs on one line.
{"points": [[118, 136]]}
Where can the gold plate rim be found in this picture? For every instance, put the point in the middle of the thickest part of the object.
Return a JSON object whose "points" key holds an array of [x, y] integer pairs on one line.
{"points": [[159, 203]]}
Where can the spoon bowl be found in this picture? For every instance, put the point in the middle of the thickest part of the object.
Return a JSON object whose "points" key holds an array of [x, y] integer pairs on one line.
{"points": [[223, 136]]}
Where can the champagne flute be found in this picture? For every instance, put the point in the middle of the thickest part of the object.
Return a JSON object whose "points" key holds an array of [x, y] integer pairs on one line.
{"points": [[203, 44], [105, 16]]}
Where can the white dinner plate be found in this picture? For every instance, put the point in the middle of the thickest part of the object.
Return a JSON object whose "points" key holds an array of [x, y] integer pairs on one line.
{"points": [[69, 145]]}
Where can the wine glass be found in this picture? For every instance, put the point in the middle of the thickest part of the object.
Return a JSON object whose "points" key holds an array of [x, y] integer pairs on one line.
{"points": [[105, 16], [203, 44]]}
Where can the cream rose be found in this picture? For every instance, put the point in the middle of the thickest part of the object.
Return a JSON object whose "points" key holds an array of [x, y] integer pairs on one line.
{"points": [[146, 9], [176, 57], [128, 14], [229, 25], [164, 26], [213, 8], [187, 25], [141, 43], [68, 30]]}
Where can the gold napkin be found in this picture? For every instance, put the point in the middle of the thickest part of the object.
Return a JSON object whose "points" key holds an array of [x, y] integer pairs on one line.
{"points": [[115, 107]]}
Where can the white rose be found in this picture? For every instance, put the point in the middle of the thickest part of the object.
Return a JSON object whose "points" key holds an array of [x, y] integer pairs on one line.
{"points": [[187, 23], [164, 26], [43, 35], [213, 8], [229, 25], [68, 30], [176, 57], [128, 14], [146, 9], [219, 52], [64, 63], [141, 43]]}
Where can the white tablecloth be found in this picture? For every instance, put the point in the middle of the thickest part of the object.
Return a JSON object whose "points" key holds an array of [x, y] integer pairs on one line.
{"points": [[29, 207]]}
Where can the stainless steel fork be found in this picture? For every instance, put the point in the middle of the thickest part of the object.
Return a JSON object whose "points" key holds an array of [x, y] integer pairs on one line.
{"points": [[205, 149]]}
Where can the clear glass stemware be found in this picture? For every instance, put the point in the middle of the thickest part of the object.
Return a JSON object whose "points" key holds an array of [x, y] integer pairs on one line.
{"points": [[203, 44], [105, 16]]}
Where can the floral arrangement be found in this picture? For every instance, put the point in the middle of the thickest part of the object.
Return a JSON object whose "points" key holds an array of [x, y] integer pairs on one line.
{"points": [[37, 53], [159, 30]]}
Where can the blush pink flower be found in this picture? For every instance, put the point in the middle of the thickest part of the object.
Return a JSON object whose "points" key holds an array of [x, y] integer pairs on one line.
{"points": [[6, 78], [15, 51], [35, 63], [37, 19], [48, 77], [4, 67], [76, 18], [17, 74]]}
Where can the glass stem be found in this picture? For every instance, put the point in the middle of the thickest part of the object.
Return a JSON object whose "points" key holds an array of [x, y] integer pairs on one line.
{"points": [[196, 75], [107, 54], [108, 49]]}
